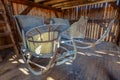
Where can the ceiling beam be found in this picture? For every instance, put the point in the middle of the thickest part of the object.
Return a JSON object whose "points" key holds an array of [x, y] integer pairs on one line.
{"points": [[38, 1], [26, 10], [29, 3], [53, 2], [68, 2], [86, 4]]}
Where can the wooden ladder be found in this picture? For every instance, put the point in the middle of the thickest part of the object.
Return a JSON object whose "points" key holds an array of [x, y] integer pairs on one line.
{"points": [[5, 29]]}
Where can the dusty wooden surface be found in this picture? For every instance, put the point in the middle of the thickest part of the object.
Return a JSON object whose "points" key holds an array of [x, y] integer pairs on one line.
{"points": [[99, 63]]}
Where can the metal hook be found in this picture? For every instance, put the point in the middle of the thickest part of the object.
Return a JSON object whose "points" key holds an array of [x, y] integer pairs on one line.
{"points": [[95, 6]]}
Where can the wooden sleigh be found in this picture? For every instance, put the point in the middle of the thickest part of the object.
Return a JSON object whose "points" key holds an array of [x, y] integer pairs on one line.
{"points": [[41, 49], [47, 45]]}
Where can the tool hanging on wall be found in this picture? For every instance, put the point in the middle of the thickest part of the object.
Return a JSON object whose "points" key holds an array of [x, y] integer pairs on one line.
{"points": [[98, 6], [95, 18], [92, 25], [89, 9], [101, 5], [95, 7], [72, 13], [105, 11], [85, 11], [76, 13], [97, 27], [68, 14], [91, 22], [117, 2], [86, 8], [79, 12]]}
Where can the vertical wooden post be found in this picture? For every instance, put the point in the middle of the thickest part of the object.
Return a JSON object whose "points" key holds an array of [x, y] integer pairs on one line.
{"points": [[8, 28]]}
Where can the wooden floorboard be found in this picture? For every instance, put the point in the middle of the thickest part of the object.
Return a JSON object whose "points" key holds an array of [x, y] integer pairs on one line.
{"points": [[99, 63]]}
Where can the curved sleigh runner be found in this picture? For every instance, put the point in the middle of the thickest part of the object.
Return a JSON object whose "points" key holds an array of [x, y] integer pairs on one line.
{"points": [[78, 35], [77, 31], [41, 48]]}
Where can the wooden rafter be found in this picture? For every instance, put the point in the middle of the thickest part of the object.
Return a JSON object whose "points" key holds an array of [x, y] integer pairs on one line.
{"points": [[85, 4], [68, 3], [54, 2], [35, 5], [39, 0], [26, 10], [56, 15]]}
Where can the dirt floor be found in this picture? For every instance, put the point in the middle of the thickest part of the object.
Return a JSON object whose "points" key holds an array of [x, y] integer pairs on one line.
{"points": [[99, 63]]}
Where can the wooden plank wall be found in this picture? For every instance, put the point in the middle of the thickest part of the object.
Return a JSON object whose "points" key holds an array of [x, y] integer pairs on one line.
{"points": [[98, 13], [101, 13], [46, 14], [35, 11]]}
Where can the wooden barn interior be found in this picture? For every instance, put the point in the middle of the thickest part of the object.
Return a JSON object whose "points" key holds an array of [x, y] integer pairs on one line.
{"points": [[100, 62]]}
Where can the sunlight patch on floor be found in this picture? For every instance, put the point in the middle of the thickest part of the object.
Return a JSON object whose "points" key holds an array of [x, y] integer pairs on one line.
{"points": [[101, 52], [11, 59], [68, 63], [21, 60], [14, 62], [89, 54], [81, 53], [111, 54], [50, 78], [118, 62], [24, 70], [118, 55]]}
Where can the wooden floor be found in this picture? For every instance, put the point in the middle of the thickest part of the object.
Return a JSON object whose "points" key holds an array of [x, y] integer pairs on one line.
{"points": [[99, 63]]}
